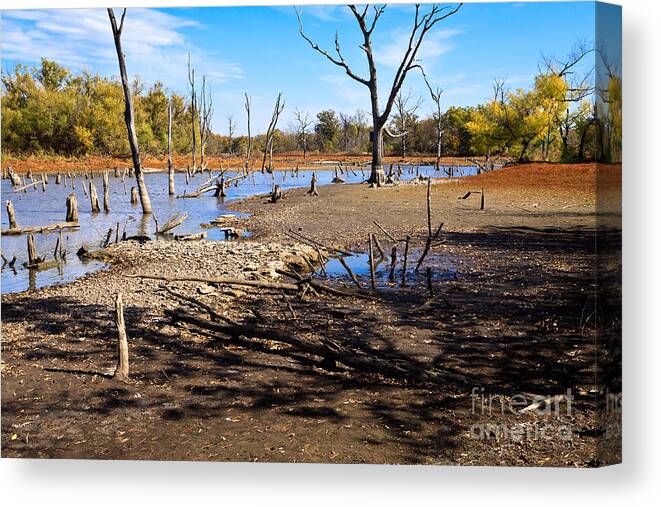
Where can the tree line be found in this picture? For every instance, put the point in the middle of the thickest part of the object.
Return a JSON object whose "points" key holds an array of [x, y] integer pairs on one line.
{"points": [[47, 109]]}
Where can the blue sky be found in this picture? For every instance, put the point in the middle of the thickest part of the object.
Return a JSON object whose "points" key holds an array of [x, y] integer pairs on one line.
{"points": [[258, 50]]}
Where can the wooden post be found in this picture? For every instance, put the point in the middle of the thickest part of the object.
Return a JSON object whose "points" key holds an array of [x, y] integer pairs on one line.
{"points": [[393, 263], [11, 216], [94, 198], [482, 200], [32, 252], [122, 370], [406, 258], [72, 208], [43, 182], [106, 192], [134, 195], [58, 179], [372, 278]]}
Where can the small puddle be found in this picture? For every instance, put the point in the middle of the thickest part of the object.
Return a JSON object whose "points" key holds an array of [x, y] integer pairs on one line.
{"points": [[444, 269]]}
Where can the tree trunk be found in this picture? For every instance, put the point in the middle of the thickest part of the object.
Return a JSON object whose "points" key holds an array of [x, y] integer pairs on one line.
{"points": [[94, 199], [11, 216], [122, 370], [378, 175], [106, 191], [72, 208], [171, 190], [128, 114]]}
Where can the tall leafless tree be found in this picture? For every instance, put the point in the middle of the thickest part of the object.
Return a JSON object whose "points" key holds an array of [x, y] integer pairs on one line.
{"points": [[268, 148], [405, 116], [422, 25], [303, 123], [231, 128], [249, 148], [193, 112], [205, 115], [170, 166], [435, 94], [145, 202]]}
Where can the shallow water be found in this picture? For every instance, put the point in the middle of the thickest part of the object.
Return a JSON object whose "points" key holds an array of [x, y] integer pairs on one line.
{"points": [[359, 265], [37, 208]]}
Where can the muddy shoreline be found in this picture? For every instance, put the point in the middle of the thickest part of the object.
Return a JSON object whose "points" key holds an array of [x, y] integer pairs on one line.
{"points": [[511, 322]]}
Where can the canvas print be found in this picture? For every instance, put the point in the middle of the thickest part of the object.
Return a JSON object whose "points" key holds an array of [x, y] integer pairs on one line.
{"points": [[385, 234]]}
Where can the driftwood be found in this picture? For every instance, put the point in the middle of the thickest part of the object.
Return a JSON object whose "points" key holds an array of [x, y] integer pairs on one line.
{"points": [[221, 281], [190, 237], [122, 369], [174, 221], [40, 229], [25, 187]]}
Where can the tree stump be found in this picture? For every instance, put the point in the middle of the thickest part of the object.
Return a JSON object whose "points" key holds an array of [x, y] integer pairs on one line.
{"points": [[106, 192], [313, 185], [276, 195], [122, 369], [58, 179], [94, 198], [11, 216], [134, 195], [72, 208]]}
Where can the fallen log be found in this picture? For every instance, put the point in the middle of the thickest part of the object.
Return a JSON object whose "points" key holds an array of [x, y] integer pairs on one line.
{"points": [[174, 221], [40, 229], [190, 237], [221, 281]]}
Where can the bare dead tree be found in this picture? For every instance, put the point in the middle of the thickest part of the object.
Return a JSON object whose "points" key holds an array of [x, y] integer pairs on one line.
{"points": [[249, 148], [205, 115], [145, 202], [193, 111], [422, 25], [302, 125], [231, 128], [171, 190], [435, 94], [268, 148], [405, 115]]}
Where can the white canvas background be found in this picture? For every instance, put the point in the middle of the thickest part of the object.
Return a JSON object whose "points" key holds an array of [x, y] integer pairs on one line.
{"points": [[636, 482]]}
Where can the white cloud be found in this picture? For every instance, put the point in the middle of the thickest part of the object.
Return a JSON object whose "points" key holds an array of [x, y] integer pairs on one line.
{"points": [[435, 44], [153, 41]]}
